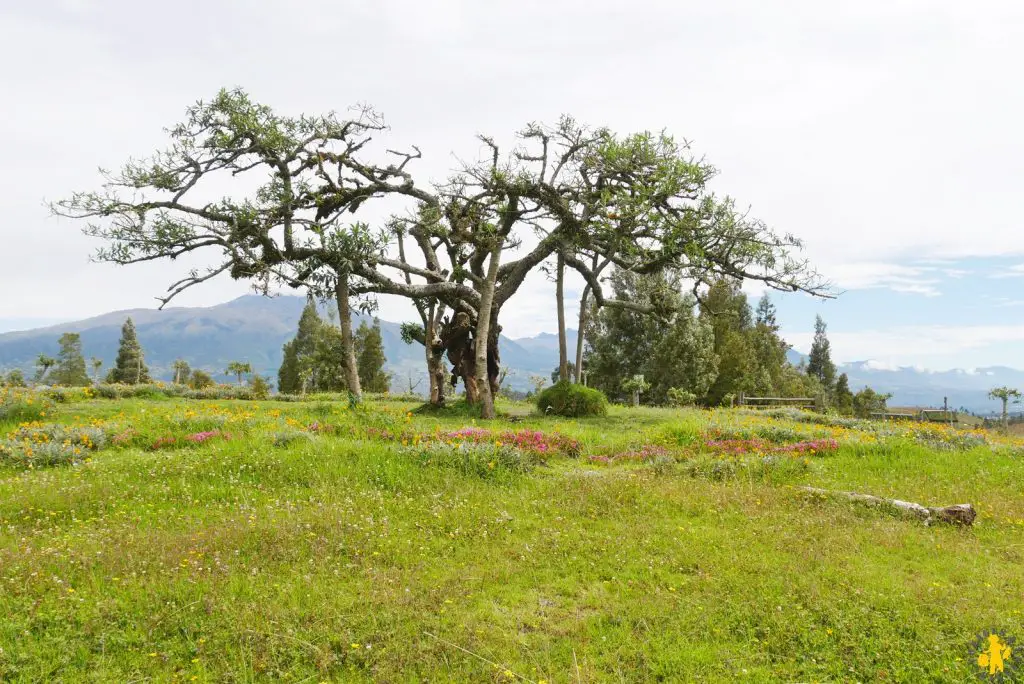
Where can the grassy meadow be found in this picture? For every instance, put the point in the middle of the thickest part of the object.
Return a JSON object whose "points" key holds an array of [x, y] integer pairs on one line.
{"points": [[176, 540]]}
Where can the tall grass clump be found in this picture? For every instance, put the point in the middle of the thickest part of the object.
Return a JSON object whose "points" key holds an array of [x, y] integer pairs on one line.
{"points": [[572, 400]]}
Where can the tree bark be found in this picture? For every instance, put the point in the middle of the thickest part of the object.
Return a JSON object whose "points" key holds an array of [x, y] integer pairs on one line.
{"points": [[481, 340], [957, 514], [580, 334], [563, 352], [347, 344], [435, 360]]}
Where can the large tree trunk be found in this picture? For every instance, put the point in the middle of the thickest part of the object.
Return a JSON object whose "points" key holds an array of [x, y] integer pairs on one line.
{"points": [[580, 334], [435, 359], [456, 339], [347, 345], [483, 335], [563, 351]]}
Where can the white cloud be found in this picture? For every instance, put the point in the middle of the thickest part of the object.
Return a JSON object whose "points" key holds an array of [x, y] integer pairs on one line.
{"points": [[897, 277], [1015, 271]]}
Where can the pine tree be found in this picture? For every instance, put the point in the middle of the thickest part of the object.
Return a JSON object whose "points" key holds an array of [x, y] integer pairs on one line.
{"points": [[302, 364], [305, 346], [70, 370], [819, 363], [130, 367], [769, 349], [726, 310], [288, 374], [325, 368], [766, 313], [842, 394], [370, 358], [673, 352]]}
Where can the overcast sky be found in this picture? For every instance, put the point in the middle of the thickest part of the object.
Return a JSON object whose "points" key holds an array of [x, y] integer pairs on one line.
{"points": [[886, 134]]}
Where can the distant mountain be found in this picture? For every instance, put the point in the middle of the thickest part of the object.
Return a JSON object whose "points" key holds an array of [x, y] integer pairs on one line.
{"points": [[912, 386], [549, 342], [915, 386]]}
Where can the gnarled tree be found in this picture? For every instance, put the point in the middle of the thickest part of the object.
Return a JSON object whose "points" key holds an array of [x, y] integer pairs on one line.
{"points": [[639, 203]]}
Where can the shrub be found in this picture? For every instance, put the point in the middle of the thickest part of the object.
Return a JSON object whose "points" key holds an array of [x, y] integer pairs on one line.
{"points": [[260, 387], [221, 392], [680, 397], [15, 378], [199, 379], [284, 438], [38, 445], [480, 460], [572, 400], [22, 405]]}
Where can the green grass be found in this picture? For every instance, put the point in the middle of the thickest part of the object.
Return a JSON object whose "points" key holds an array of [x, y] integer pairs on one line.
{"points": [[346, 556]]}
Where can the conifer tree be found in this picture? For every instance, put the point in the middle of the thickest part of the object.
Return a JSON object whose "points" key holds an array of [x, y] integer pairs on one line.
{"points": [[726, 309], [819, 363], [674, 352], [370, 358], [313, 361], [129, 367], [288, 374], [766, 313], [769, 348], [843, 396], [70, 370]]}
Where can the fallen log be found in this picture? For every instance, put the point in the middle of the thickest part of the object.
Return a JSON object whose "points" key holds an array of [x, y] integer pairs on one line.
{"points": [[957, 514]]}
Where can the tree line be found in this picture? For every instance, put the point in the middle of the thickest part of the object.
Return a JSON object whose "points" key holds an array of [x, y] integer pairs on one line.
{"points": [[709, 350], [314, 360], [580, 199], [70, 369]]}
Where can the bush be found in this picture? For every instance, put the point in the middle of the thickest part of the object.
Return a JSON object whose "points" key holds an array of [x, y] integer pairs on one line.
{"points": [[572, 400], [22, 405], [35, 445], [221, 392], [15, 379], [680, 397], [199, 379], [481, 460], [260, 387]]}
